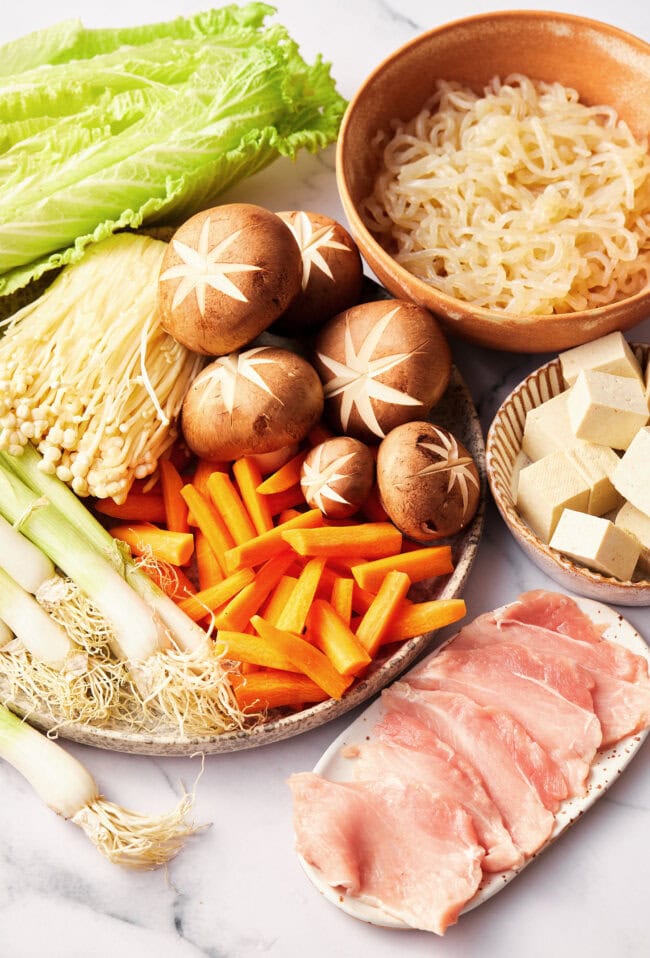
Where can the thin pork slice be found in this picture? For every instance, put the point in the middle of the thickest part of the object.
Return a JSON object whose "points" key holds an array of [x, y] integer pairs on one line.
{"points": [[550, 697], [404, 748], [555, 611], [395, 845], [508, 761]]}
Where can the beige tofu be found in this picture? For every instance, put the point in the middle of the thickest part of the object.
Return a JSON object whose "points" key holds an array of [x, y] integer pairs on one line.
{"points": [[609, 354], [632, 475], [597, 464], [546, 488], [596, 543], [636, 524], [607, 409], [548, 428]]}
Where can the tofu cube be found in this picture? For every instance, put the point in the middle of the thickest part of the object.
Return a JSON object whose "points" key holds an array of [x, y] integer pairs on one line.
{"points": [[548, 428], [596, 543], [636, 524], [597, 465], [546, 488], [607, 409], [609, 354], [632, 475]]}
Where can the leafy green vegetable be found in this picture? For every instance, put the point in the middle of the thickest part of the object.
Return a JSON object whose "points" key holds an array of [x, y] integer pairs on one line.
{"points": [[107, 129]]}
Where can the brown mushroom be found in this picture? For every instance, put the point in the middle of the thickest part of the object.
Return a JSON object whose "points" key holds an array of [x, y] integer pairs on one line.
{"points": [[382, 363], [251, 402], [428, 482], [337, 476], [228, 273]]}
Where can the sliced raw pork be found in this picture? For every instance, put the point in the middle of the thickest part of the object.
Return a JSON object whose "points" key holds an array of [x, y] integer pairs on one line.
{"points": [[403, 747], [554, 611], [395, 845], [549, 696]]}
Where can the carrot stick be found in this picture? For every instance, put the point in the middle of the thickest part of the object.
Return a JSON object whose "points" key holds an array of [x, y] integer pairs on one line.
{"points": [[285, 477], [272, 608], [279, 501], [333, 637], [417, 618], [305, 658], [207, 565], [204, 469], [175, 506], [272, 689], [294, 614], [171, 579], [371, 539], [258, 550], [137, 507], [173, 547], [248, 476], [418, 565], [227, 501], [253, 649], [344, 566], [209, 522], [372, 507], [207, 600], [237, 614], [377, 621], [286, 515], [319, 433], [342, 591], [361, 598]]}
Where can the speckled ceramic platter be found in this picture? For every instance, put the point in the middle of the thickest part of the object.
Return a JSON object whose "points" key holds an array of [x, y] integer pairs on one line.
{"points": [[455, 411], [605, 770]]}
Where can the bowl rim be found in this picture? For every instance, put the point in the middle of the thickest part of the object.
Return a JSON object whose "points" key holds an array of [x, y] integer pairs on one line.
{"points": [[510, 515], [420, 287]]}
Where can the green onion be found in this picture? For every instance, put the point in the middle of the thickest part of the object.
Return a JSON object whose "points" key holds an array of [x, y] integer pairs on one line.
{"points": [[6, 635], [22, 560], [40, 634]]}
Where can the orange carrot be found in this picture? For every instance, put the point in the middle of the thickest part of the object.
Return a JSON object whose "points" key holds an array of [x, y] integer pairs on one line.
{"points": [[253, 649], [342, 591], [285, 477], [248, 476], [377, 621], [207, 600], [171, 579], [204, 469], [279, 501], [372, 507], [417, 618], [344, 566], [277, 600], [207, 565], [418, 565], [209, 522], [175, 506], [305, 658], [287, 514], [333, 637], [173, 547], [319, 433], [258, 550], [294, 614], [137, 507], [237, 614], [272, 689], [227, 501], [371, 539]]}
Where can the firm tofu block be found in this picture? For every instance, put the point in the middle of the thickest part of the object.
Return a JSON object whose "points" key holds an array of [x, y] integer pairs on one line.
{"points": [[632, 475], [610, 354], [546, 488], [597, 464], [596, 543], [548, 428], [636, 524], [607, 409]]}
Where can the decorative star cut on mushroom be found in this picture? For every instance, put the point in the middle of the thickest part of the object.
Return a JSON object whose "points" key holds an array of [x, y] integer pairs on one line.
{"points": [[458, 466], [311, 242], [355, 380], [228, 369], [201, 268], [317, 482]]}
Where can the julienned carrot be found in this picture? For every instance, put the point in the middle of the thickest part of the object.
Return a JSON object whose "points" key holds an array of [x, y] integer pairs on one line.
{"points": [[173, 547], [270, 689], [418, 565], [204, 469], [416, 618], [248, 476], [237, 614], [137, 507], [371, 539], [294, 614], [272, 608], [377, 621], [258, 550], [253, 649], [284, 478], [279, 501], [228, 503], [207, 600], [332, 636], [207, 565], [372, 507], [341, 600], [209, 522], [171, 484], [305, 658]]}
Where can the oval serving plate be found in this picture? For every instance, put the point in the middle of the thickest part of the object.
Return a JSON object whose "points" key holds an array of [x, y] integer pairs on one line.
{"points": [[455, 411], [604, 772]]}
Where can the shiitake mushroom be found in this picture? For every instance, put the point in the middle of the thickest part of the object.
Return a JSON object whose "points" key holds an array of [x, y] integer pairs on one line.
{"points": [[337, 476], [428, 482]]}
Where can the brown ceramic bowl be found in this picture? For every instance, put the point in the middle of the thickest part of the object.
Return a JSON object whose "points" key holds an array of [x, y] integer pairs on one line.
{"points": [[604, 64]]}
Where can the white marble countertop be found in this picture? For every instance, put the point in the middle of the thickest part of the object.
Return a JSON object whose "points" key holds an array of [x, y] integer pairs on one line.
{"points": [[237, 890]]}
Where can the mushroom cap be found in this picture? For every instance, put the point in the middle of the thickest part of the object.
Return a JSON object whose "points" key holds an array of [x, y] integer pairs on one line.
{"points": [[228, 273], [428, 482], [337, 476]]}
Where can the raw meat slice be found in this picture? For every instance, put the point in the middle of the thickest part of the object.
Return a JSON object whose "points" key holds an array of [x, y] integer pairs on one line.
{"points": [[500, 750], [550, 697], [555, 611], [403, 747], [395, 845]]}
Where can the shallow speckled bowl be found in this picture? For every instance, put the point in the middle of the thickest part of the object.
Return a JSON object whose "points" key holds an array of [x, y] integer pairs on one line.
{"points": [[605, 65], [504, 458]]}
